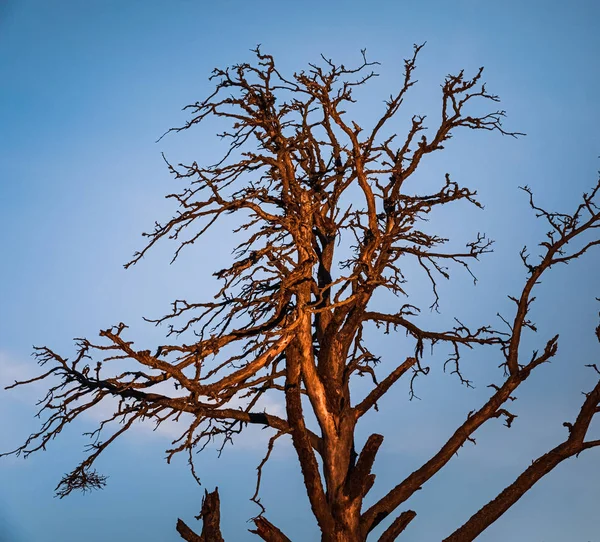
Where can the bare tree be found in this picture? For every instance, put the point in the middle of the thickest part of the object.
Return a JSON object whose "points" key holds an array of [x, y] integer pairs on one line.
{"points": [[327, 221]]}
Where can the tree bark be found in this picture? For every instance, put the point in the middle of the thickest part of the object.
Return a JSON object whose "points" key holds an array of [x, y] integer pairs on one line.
{"points": [[267, 531], [211, 521]]}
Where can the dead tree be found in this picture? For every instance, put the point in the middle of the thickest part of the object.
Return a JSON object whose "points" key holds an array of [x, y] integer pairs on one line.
{"points": [[329, 220]]}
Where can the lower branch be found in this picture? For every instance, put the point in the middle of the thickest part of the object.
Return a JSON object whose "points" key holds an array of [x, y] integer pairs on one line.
{"points": [[211, 521], [186, 533], [403, 491], [267, 531], [495, 508], [573, 445], [398, 525], [360, 479]]}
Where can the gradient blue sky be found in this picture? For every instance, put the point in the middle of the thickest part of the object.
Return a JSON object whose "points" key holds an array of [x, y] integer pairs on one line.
{"points": [[86, 87]]}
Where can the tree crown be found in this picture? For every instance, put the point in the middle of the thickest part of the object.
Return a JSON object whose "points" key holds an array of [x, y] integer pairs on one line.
{"points": [[328, 218]]}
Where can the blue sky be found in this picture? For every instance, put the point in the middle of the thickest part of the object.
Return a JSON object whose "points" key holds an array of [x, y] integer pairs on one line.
{"points": [[86, 88]]}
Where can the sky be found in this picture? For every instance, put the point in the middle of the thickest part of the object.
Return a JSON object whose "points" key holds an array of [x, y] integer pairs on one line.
{"points": [[86, 89]]}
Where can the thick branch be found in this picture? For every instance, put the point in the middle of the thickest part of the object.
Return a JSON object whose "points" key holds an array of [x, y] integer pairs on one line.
{"points": [[397, 526], [399, 494], [371, 400], [211, 518], [541, 466], [267, 531]]}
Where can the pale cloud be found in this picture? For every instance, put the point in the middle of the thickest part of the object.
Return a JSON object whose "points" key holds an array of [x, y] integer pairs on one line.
{"points": [[14, 401], [12, 370]]}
